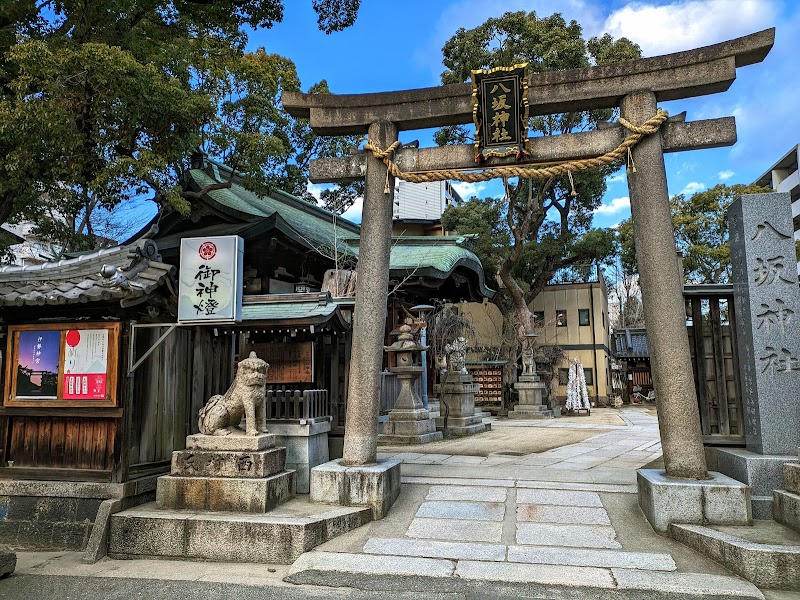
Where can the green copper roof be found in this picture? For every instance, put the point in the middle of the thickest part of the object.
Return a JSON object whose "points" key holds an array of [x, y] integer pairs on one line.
{"points": [[315, 227], [287, 310], [312, 224]]}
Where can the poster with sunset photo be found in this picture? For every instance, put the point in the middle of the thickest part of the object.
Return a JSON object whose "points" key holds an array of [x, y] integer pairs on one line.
{"points": [[37, 364]]}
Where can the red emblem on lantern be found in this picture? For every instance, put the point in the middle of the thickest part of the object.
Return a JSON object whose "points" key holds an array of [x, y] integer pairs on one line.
{"points": [[207, 250]]}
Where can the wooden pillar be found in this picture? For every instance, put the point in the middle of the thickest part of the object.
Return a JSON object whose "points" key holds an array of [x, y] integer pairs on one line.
{"points": [[662, 296], [369, 317]]}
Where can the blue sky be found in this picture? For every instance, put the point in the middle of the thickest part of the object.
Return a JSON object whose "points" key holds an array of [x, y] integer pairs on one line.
{"points": [[397, 45]]}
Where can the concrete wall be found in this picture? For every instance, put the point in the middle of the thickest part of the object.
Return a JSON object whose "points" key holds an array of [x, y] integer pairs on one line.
{"points": [[60, 515]]}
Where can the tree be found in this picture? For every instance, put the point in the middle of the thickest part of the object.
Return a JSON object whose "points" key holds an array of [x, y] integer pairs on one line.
{"points": [[102, 102], [701, 233], [539, 226]]}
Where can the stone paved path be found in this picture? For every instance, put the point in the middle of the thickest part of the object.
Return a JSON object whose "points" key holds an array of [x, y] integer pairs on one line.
{"points": [[568, 516]]}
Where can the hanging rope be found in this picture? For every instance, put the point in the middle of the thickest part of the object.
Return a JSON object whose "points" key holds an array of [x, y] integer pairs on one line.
{"points": [[637, 132]]}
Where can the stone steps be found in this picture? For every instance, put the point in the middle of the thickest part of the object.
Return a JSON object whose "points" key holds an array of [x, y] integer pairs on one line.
{"points": [[791, 477], [279, 536], [485, 578], [786, 502], [786, 508], [766, 553]]}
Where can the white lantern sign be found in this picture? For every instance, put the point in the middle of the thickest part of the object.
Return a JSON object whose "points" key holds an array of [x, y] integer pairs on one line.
{"points": [[211, 280]]}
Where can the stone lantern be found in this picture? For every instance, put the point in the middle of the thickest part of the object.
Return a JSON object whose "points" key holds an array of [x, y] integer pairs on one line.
{"points": [[409, 422]]}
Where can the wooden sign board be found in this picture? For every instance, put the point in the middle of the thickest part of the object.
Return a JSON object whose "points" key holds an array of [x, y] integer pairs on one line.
{"points": [[500, 110], [288, 363]]}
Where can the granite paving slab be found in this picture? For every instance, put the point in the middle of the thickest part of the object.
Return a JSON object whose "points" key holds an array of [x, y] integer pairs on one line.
{"points": [[578, 515], [446, 509], [373, 564], [558, 497], [436, 549], [530, 573], [584, 557], [455, 530], [573, 536], [479, 494], [690, 584]]}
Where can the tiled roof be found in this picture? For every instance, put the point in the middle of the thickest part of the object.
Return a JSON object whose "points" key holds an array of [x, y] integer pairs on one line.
{"points": [[312, 224], [630, 343], [433, 256], [122, 273], [316, 227]]}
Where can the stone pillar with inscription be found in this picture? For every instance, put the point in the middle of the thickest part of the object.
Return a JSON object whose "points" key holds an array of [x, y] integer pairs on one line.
{"points": [[767, 312]]}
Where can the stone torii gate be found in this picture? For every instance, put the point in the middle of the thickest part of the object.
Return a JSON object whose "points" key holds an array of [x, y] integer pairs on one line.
{"points": [[635, 87]]}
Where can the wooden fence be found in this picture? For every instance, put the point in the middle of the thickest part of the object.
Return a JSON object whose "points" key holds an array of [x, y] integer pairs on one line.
{"points": [[297, 405], [711, 326]]}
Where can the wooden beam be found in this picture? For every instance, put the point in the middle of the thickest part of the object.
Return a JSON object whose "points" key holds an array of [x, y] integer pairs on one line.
{"points": [[686, 74], [677, 136]]}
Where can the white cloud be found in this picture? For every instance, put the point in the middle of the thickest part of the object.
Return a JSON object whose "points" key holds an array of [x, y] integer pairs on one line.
{"points": [[468, 190], [724, 175], [354, 212], [683, 25], [315, 189], [692, 188], [618, 177], [615, 206]]}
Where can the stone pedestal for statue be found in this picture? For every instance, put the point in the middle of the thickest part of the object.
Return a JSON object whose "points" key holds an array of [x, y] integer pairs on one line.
{"points": [[767, 301], [530, 391], [306, 447], [234, 473], [457, 410], [409, 422]]}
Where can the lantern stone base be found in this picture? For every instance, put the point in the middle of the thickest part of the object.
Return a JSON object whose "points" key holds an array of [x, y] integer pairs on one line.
{"points": [[716, 501], [409, 427], [376, 486]]}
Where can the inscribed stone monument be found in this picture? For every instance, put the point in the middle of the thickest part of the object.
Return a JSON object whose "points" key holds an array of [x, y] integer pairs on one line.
{"points": [[767, 301]]}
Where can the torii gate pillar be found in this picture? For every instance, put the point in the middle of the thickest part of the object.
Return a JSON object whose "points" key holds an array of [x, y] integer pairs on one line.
{"points": [[361, 437], [662, 296]]}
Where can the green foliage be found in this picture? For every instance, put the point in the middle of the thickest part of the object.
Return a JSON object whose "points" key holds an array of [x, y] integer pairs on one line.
{"points": [[102, 102], [540, 226], [701, 233]]}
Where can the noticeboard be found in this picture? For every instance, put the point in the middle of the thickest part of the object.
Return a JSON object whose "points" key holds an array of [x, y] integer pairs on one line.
{"points": [[70, 365], [288, 363]]}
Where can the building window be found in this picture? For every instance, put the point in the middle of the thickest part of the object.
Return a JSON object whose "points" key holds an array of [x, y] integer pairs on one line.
{"points": [[563, 376], [583, 316], [561, 318], [538, 318], [589, 374]]}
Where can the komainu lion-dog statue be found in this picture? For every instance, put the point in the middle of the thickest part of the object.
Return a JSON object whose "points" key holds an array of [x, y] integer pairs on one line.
{"points": [[247, 396]]}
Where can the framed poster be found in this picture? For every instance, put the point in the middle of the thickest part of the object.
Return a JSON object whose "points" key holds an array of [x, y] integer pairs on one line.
{"points": [[69, 364]]}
